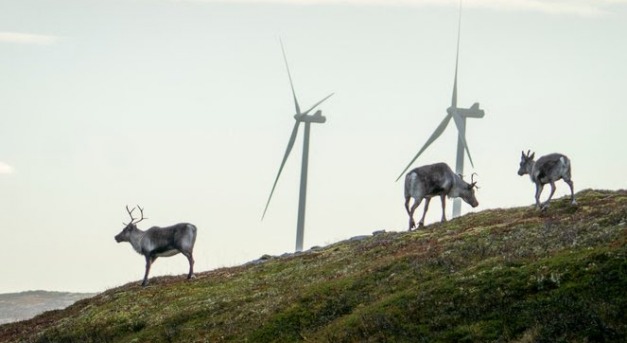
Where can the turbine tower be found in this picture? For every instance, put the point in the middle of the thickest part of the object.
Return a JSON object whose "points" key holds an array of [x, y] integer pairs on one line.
{"points": [[459, 115], [300, 117]]}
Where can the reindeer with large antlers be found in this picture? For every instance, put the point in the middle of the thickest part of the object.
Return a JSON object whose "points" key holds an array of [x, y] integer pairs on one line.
{"points": [[159, 241]]}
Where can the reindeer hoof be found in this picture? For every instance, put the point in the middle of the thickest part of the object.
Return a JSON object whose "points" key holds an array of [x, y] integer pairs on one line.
{"points": [[574, 202]]}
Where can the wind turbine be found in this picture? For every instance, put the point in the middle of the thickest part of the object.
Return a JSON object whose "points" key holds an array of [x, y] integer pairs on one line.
{"points": [[300, 117], [459, 115]]}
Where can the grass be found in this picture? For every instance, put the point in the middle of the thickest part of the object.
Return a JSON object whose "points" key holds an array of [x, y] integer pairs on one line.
{"points": [[502, 275]]}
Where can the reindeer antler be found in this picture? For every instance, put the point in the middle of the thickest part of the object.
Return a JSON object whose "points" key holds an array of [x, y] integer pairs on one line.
{"points": [[133, 219], [473, 183], [130, 213], [141, 211]]}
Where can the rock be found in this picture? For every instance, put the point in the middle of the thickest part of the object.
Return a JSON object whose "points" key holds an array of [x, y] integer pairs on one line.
{"points": [[358, 238]]}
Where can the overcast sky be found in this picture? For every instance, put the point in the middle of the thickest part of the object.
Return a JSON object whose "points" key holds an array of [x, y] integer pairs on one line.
{"points": [[184, 107]]}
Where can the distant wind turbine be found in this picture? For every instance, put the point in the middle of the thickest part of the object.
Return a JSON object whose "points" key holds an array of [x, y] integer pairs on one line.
{"points": [[459, 115], [300, 117]]}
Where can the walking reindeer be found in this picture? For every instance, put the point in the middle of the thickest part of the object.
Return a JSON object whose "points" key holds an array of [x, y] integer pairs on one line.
{"points": [[159, 241], [436, 179], [547, 169]]}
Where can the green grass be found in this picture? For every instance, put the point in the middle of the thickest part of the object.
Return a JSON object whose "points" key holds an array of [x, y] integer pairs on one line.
{"points": [[503, 275]]}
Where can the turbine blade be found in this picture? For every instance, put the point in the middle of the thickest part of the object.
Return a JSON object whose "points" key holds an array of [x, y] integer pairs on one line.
{"points": [[454, 97], [318, 103], [438, 131], [290, 77], [462, 137], [290, 145], [459, 30]]}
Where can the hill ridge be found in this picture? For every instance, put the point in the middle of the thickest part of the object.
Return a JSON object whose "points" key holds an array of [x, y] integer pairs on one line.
{"points": [[497, 275]]}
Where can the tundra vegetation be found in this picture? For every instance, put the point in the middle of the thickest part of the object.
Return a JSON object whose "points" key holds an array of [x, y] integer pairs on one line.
{"points": [[500, 275]]}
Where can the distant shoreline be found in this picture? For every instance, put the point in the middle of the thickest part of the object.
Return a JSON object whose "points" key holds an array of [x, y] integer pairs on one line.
{"points": [[27, 304]]}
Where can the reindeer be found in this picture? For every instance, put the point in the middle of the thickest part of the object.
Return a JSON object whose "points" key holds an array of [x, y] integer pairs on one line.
{"points": [[436, 179], [547, 169], [159, 241]]}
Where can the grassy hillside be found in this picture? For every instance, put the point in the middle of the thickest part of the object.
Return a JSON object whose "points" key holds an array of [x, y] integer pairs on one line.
{"points": [[498, 275]]}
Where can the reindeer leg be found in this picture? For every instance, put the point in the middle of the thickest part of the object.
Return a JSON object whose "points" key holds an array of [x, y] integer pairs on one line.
{"points": [[412, 223], [539, 187], [190, 258], [546, 203], [572, 192], [149, 261], [421, 223], [443, 197], [407, 199]]}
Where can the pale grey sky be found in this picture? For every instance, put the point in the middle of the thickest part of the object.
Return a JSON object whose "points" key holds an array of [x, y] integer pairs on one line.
{"points": [[184, 107]]}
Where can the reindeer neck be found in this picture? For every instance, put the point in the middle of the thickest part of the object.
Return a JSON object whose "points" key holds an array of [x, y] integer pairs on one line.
{"points": [[136, 238], [458, 183], [530, 167]]}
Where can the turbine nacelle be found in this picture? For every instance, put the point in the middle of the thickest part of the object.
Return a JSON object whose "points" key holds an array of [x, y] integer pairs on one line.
{"points": [[473, 112], [315, 118]]}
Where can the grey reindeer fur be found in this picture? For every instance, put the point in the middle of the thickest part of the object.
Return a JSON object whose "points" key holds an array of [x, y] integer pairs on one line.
{"points": [[547, 169], [160, 241], [435, 180]]}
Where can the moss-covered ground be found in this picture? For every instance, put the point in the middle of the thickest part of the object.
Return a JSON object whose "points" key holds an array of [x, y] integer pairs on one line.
{"points": [[503, 275]]}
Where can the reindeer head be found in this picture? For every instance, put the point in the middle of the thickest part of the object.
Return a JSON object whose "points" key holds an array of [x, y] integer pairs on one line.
{"points": [[125, 235], [468, 192], [526, 162]]}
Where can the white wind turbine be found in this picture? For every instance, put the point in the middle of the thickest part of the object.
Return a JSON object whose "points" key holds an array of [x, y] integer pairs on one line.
{"points": [[300, 117], [459, 115]]}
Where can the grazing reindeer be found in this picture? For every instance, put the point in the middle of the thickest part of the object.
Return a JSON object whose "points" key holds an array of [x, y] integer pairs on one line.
{"points": [[159, 241], [436, 179], [547, 169]]}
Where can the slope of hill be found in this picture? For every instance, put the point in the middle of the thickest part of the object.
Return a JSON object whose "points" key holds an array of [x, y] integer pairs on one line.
{"points": [[497, 275], [25, 305]]}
